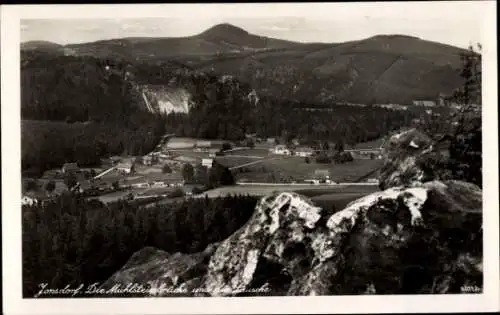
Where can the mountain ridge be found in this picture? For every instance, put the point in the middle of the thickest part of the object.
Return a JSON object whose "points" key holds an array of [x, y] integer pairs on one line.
{"points": [[386, 68]]}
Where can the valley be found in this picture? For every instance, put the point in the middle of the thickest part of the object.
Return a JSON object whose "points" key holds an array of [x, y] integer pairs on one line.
{"points": [[229, 162]]}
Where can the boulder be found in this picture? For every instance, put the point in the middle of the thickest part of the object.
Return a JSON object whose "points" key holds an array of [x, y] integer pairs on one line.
{"points": [[422, 239], [158, 273], [401, 153]]}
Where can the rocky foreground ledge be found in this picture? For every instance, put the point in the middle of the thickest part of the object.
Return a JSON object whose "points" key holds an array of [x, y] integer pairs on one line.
{"points": [[414, 237]]}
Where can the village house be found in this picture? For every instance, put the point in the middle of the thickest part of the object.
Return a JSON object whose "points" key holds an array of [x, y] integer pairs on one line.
{"points": [[70, 168], [115, 159], [393, 106], [83, 186], [125, 166], [161, 157], [28, 200], [207, 162], [366, 153], [203, 145], [281, 149], [147, 159], [189, 190], [156, 180], [141, 182], [424, 103], [212, 152], [251, 136], [304, 151], [271, 141], [33, 198], [321, 174]]}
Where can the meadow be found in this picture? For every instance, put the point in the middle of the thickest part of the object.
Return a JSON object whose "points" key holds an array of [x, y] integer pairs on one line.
{"points": [[297, 169]]}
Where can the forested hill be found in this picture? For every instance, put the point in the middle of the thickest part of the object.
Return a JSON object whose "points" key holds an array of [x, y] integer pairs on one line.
{"points": [[382, 69]]}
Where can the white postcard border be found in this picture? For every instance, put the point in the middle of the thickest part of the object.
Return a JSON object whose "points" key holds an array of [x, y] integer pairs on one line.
{"points": [[11, 188]]}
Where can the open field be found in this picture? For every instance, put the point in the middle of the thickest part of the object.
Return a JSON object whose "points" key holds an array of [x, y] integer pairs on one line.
{"points": [[186, 142], [336, 202], [230, 162], [261, 152], [114, 196], [297, 169], [322, 190], [374, 144]]}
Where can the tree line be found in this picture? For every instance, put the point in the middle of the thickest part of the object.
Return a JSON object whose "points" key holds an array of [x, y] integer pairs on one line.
{"points": [[73, 240], [79, 109]]}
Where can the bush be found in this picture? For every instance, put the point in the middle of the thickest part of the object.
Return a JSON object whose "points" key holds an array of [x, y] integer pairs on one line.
{"points": [[166, 169], [226, 146], [178, 192], [73, 240], [30, 184], [50, 186], [188, 172], [323, 159], [198, 190]]}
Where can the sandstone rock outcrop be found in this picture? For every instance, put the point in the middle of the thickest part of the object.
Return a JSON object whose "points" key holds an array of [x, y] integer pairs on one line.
{"points": [[160, 273], [416, 236]]}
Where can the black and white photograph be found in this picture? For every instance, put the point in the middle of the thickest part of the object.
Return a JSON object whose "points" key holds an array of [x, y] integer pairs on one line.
{"points": [[203, 154]]}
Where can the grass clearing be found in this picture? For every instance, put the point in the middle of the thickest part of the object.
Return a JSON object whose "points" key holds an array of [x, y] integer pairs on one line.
{"points": [[297, 169], [312, 191], [234, 161]]}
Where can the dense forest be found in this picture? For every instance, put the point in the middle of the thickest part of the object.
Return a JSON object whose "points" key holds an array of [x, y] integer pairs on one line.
{"points": [[73, 241], [100, 103], [275, 118], [74, 109], [460, 133]]}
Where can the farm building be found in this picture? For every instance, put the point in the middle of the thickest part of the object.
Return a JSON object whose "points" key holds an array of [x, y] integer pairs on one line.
{"points": [[83, 185], [32, 198], [207, 162], [321, 174], [203, 144], [295, 142], [126, 166], [212, 152], [155, 180], [304, 151], [70, 168], [148, 159], [189, 189], [28, 200], [424, 103], [271, 140], [281, 149], [186, 159], [140, 182], [115, 159]]}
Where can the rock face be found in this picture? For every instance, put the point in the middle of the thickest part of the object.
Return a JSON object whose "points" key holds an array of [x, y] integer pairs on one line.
{"points": [[415, 237], [164, 99], [159, 273], [401, 152]]}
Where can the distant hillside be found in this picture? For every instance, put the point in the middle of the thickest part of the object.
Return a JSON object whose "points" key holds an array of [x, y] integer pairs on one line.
{"points": [[220, 39], [40, 45], [381, 69]]}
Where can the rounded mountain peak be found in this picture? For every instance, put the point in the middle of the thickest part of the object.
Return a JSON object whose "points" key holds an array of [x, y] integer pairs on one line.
{"points": [[223, 30]]}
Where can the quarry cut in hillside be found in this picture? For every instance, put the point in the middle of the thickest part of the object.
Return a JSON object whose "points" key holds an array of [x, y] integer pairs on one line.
{"points": [[164, 99], [416, 236]]}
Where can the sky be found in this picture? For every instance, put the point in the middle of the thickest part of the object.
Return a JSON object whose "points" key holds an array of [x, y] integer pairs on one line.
{"points": [[454, 23]]}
